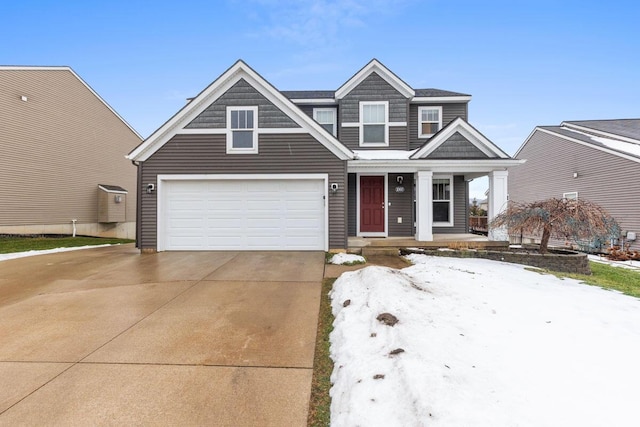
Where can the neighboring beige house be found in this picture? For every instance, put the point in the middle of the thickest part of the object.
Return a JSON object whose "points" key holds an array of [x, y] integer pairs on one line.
{"points": [[63, 157]]}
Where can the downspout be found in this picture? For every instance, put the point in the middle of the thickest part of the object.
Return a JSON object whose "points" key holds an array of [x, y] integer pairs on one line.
{"points": [[73, 221], [138, 201]]}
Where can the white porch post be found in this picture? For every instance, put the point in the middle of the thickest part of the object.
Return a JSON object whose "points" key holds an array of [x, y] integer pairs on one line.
{"points": [[424, 206], [498, 197]]}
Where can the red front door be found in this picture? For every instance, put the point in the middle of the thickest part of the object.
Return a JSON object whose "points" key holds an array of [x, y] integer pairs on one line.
{"points": [[372, 204]]}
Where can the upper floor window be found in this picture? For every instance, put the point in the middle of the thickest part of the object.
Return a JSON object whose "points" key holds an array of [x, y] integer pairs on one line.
{"points": [[429, 121], [442, 201], [242, 132], [374, 122], [327, 119]]}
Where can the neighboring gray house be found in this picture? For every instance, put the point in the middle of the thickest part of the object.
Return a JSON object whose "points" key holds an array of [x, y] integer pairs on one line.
{"points": [[244, 166], [62, 149], [598, 160]]}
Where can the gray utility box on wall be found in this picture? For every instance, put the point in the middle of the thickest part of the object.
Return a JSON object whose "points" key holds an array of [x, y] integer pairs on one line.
{"points": [[112, 203]]}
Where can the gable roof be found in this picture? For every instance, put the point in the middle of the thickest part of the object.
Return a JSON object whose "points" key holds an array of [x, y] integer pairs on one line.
{"points": [[469, 132], [68, 69], [375, 66], [598, 134], [239, 70]]}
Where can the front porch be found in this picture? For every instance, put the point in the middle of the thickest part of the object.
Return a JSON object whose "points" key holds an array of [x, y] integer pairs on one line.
{"points": [[377, 245]]}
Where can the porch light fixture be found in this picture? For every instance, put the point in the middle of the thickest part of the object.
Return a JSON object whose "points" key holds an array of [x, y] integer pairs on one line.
{"points": [[334, 187], [400, 179]]}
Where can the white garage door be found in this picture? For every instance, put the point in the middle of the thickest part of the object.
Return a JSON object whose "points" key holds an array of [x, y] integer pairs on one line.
{"points": [[247, 214]]}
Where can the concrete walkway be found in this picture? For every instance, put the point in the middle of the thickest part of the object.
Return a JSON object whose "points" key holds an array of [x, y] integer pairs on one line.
{"points": [[111, 337]]}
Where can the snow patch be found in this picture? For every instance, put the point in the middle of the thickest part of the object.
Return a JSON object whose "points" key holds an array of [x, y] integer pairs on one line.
{"points": [[15, 255], [342, 258]]}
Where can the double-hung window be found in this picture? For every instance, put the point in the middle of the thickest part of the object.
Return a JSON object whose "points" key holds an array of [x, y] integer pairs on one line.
{"points": [[442, 201], [429, 121], [242, 132], [374, 118], [326, 117]]}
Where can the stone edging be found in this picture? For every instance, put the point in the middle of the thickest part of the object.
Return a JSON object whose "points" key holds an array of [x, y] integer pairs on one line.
{"points": [[569, 262]]}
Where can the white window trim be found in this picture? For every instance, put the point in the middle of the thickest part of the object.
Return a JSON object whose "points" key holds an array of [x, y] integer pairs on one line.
{"points": [[571, 193], [451, 198], [229, 131], [386, 124], [334, 113], [424, 107]]}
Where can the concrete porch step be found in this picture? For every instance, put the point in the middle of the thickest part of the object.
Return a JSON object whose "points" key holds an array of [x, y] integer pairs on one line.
{"points": [[369, 251]]}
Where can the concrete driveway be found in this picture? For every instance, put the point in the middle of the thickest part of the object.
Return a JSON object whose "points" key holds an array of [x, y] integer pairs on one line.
{"points": [[111, 337]]}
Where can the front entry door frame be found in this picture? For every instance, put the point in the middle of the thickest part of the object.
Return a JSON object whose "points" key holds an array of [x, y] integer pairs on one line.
{"points": [[386, 206]]}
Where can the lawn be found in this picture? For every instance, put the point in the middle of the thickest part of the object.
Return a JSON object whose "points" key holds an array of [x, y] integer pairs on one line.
{"points": [[23, 244], [605, 276]]}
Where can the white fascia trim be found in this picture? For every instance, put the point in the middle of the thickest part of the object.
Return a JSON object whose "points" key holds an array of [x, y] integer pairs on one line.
{"points": [[385, 233], [66, 68], [314, 101], [440, 99], [437, 166], [204, 177], [375, 66], [350, 124], [215, 90], [602, 133], [475, 137], [112, 191], [586, 144], [397, 124]]}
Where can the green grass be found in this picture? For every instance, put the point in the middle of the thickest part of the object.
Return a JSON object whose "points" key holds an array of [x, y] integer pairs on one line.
{"points": [[23, 244], [606, 276], [320, 402]]}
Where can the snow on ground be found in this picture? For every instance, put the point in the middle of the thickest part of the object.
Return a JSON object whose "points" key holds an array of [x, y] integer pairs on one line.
{"points": [[485, 344], [342, 258], [14, 255], [634, 265]]}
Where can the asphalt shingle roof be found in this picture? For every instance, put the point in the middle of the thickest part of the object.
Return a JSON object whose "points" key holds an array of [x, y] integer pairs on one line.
{"points": [[629, 128]]}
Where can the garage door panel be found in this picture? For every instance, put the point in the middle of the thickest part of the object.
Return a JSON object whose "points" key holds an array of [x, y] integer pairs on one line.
{"points": [[244, 214]]}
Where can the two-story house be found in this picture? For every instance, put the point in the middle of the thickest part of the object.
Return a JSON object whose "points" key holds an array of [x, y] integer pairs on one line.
{"points": [[244, 166]]}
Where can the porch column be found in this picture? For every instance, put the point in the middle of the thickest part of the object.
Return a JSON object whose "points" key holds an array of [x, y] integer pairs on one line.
{"points": [[424, 206], [498, 197]]}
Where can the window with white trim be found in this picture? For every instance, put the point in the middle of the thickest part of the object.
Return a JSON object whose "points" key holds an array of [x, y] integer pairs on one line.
{"points": [[443, 201], [429, 121], [374, 123], [242, 130], [570, 196], [326, 117]]}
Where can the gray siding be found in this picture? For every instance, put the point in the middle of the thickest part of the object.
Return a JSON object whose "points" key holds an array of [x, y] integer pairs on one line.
{"points": [[352, 205], [350, 137], [603, 178], [460, 208], [449, 113], [206, 154], [401, 206], [457, 147], [373, 88], [245, 95]]}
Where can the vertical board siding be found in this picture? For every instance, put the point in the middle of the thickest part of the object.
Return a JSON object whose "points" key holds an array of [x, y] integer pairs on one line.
{"points": [[401, 205], [457, 147], [242, 94], [373, 88], [279, 154], [606, 179], [460, 208], [56, 148], [449, 113]]}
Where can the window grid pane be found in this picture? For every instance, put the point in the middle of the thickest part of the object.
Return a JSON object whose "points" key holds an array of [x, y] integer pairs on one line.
{"points": [[373, 113], [241, 119]]}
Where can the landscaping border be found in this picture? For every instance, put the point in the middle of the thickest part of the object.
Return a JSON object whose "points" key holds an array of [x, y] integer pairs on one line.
{"points": [[563, 261]]}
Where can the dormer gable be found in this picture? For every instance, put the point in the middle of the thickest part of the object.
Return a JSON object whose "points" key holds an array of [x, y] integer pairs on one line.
{"points": [[375, 66]]}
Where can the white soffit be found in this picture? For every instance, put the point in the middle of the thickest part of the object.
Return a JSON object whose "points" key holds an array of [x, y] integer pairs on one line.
{"points": [[240, 70]]}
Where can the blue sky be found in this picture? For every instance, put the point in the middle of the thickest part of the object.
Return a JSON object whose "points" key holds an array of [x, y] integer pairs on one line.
{"points": [[526, 63]]}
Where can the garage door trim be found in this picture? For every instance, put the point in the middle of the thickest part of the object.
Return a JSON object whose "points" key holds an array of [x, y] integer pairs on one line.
{"points": [[163, 179]]}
